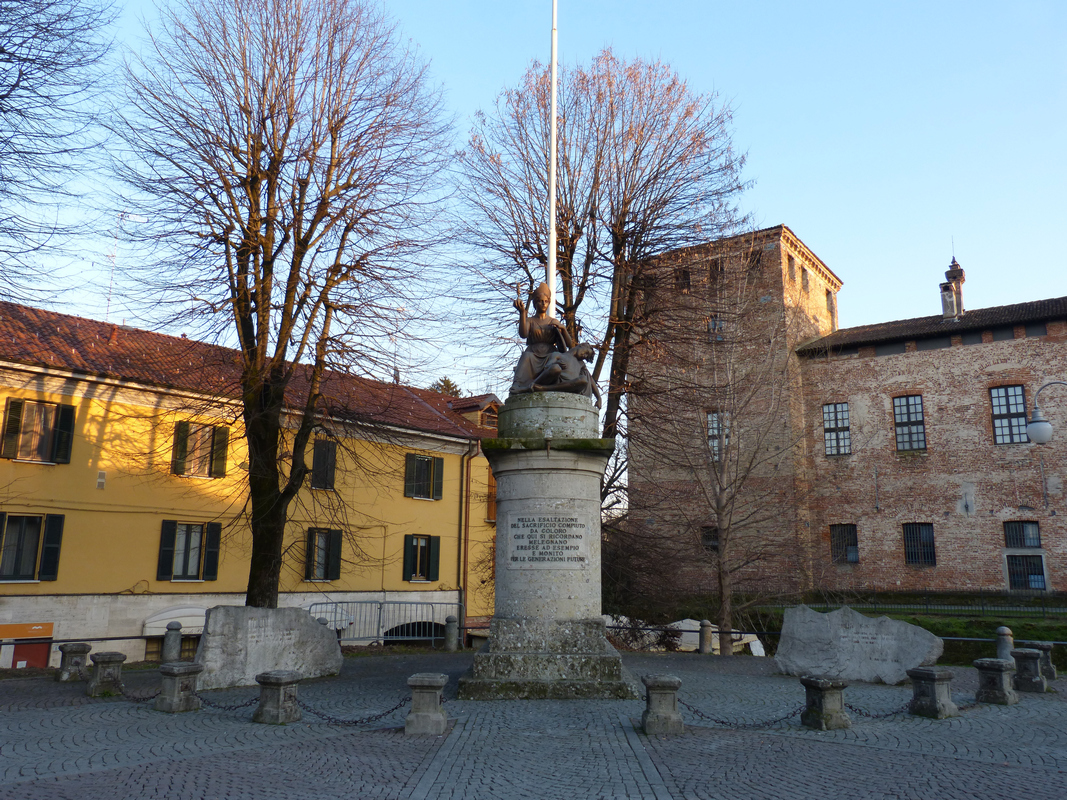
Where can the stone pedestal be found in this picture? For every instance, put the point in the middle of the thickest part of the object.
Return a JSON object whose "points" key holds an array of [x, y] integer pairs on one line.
{"points": [[107, 675], [1005, 643], [825, 709], [179, 687], [994, 681], [1028, 677], [546, 639], [277, 697], [932, 693], [172, 643], [1048, 669], [72, 662], [426, 716], [661, 717]]}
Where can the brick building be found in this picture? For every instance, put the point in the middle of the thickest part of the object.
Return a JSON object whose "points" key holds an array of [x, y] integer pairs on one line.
{"points": [[891, 456]]}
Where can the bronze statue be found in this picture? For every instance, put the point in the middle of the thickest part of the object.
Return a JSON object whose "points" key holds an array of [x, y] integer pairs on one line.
{"points": [[544, 336], [565, 372]]}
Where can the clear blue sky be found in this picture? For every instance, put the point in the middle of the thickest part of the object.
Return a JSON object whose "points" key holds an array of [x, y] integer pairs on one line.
{"points": [[878, 132]]}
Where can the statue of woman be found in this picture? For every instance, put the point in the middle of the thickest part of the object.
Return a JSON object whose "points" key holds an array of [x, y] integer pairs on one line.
{"points": [[544, 336]]}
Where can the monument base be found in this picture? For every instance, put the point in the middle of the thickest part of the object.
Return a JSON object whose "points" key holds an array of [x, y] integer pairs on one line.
{"points": [[537, 659]]}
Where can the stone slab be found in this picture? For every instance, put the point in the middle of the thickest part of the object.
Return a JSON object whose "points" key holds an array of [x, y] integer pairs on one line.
{"points": [[239, 643], [846, 645]]}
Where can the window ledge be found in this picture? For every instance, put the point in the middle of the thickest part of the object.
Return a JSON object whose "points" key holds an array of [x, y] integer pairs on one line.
{"points": [[197, 477], [911, 453], [419, 580], [187, 580], [318, 580], [34, 461], [838, 455], [412, 497], [19, 580]]}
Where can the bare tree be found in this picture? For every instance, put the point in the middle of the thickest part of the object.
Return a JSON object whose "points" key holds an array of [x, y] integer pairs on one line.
{"points": [[713, 452], [50, 54], [286, 153], [645, 165]]}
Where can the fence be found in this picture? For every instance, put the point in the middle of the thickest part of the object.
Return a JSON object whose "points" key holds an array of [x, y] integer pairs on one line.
{"points": [[371, 621]]}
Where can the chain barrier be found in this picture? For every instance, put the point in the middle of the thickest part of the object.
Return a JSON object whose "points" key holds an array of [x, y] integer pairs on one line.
{"points": [[361, 721], [884, 715], [740, 725], [137, 698], [225, 706]]}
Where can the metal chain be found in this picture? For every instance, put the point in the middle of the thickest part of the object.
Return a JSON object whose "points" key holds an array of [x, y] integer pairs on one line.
{"points": [[361, 721], [869, 715], [739, 725], [225, 706], [138, 698]]}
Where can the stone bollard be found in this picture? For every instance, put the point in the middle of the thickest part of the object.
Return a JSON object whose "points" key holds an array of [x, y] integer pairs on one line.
{"points": [[1028, 677], [72, 662], [107, 675], [825, 704], [931, 693], [179, 687], [1048, 669], [451, 633], [661, 717], [277, 697], [1005, 643], [172, 643], [994, 681], [705, 636], [426, 715], [322, 620]]}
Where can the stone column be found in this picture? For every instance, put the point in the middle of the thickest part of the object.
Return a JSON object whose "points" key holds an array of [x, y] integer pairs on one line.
{"points": [[107, 675], [547, 639], [1028, 677], [426, 717], [179, 687], [661, 717], [277, 697], [994, 681], [172, 643], [931, 689], [1005, 643], [706, 632], [451, 633], [72, 661], [825, 704]]}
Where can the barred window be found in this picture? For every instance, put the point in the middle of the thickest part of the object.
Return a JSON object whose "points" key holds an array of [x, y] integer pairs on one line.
{"points": [[718, 433], [1026, 572], [1009, 414], [844, 544], [919, 544], [835, 429], [709, 538], [910, 426], [1022, 534]]}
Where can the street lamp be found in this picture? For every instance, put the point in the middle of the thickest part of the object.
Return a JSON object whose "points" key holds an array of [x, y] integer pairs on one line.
{"points": [[1038, 428]]}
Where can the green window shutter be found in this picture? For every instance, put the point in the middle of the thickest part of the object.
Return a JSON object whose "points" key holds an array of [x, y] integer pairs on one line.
{"points": [[167, 536], [12, 424], [318, 465], [438, 477], [435, 558], [181, 448], [309, 555], [220, 442], [333, 565], [212, 539], [53, 538], [63, 440], [409, 475], [331, 463], [409, 556]]}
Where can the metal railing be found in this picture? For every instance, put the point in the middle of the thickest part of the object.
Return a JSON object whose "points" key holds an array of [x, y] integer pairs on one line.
{"points": [[382, 621]]}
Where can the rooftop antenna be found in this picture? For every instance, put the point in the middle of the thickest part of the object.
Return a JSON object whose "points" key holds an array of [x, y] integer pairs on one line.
{"points": [[550, 267]]}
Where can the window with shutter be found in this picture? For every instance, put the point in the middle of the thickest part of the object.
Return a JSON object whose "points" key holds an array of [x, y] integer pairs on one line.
{"points": [[422, 558], [323, 464], [35, 431], [323, 555], [423, 476], [199, 450], [189, 551]]}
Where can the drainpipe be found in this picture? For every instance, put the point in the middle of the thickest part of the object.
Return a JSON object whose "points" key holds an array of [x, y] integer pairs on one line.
{"points": [[463, 540]]}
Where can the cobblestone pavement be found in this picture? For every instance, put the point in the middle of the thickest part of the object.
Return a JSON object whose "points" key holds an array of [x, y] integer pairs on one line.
{"points": [[55, 743]]}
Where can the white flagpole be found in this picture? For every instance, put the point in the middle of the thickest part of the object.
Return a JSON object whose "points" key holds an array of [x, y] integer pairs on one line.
{"points": [[550, 267]]}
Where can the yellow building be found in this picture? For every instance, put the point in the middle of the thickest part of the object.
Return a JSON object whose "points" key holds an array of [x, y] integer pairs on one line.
{"points": [[122, 494]]}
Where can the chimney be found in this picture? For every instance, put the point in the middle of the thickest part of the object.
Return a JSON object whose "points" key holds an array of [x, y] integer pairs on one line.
{"points": [[952, 292]]}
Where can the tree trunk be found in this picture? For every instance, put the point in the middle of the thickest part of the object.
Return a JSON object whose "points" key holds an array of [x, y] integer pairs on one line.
{"points": [[725, 619], [269, 506]]}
